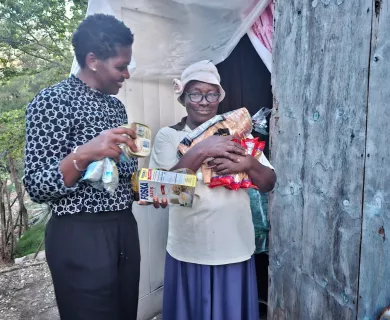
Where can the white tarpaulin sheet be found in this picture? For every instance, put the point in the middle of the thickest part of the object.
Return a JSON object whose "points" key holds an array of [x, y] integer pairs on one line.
{"points": [[172, 34]]}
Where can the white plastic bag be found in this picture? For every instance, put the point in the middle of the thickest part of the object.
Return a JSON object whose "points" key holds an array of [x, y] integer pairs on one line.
{"points": [[172, 34]]}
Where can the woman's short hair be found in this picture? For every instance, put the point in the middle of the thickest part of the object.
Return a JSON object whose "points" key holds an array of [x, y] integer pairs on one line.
{"points": [[100, 34]]}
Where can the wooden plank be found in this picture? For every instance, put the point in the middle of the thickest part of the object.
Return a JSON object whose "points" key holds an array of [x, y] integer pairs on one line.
{"points": [[180, 110], [158, 236], [152, 104], [374, 285], [167, 106], [135, 100], [151, 110], [320, 81], [142, 217]]}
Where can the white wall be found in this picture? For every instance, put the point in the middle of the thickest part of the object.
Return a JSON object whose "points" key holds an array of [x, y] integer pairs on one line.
{"points": [[150, 102]]}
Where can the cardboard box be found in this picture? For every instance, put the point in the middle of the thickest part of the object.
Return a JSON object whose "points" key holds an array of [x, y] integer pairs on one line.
{"points": [[177, 187]]}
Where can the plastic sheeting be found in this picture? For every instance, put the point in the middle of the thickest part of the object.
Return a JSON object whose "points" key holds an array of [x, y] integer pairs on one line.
{"points": [[172, 34]]}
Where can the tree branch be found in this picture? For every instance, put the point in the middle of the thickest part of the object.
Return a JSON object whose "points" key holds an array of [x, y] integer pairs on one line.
{"points": [[31, 35], [43, 58], [13, 202], [59, 49]]}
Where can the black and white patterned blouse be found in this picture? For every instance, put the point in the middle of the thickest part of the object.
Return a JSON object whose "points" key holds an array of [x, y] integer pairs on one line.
{"points": [[58, 119]]}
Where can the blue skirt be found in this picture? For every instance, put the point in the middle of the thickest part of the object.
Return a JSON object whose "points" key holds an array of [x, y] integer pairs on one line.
{"points": [[202, 292]]}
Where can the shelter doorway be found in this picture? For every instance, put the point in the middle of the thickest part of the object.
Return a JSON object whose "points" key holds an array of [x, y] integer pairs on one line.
{"points": [[247, 83]]}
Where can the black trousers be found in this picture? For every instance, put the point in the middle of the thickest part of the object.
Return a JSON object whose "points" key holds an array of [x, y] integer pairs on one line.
{"points": [[94, 261]]}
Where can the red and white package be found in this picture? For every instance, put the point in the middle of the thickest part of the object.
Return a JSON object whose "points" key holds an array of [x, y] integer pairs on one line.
{"points": [[237, 181]]}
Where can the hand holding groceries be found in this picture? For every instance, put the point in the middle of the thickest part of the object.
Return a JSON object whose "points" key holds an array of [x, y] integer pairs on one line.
{"points": [[172, 187], [111, 146], [237, 124], [106, 145], [225, 173], [142, 142]]}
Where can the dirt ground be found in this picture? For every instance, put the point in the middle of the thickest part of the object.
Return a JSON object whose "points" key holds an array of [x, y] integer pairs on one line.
{"points": [[26, 292]]}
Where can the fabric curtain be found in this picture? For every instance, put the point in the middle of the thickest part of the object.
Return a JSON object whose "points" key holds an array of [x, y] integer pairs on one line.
{"points": [[261, 34], [246, 80]]}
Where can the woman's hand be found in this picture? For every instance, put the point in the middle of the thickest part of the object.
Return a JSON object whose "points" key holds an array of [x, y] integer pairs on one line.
{"points": [[263, 177], [223, 166], [156, 203], [212, 147], [223, 147], [102, 146], [106, 145]]}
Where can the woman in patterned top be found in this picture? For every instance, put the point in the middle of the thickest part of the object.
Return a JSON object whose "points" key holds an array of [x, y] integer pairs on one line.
{"points": [[92, 244]]}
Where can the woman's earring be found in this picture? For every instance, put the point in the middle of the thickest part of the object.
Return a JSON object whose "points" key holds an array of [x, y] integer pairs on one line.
{"points": [[94, 70]]}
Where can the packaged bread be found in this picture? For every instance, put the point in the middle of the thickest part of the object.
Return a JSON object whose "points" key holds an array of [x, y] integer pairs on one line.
{"points": [[238, 122]]}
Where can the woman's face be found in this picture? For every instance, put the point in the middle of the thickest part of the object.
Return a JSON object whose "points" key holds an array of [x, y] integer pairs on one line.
{"points": [[199, 112], [111, 73]]}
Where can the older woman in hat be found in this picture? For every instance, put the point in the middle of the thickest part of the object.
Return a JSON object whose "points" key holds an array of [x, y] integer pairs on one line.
{"points": [[210, 269]]}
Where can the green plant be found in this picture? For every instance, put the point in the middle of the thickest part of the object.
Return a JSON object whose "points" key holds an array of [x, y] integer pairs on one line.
{"points": [[30, 240]]}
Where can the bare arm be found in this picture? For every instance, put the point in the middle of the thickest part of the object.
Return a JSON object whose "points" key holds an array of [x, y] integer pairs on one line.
{"points": [[263, 177]]}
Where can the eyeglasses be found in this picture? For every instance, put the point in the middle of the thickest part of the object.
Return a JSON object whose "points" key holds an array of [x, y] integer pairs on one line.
{"points": [[198, 97]]}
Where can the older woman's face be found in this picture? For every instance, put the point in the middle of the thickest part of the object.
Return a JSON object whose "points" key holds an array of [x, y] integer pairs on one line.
{"points": [[199, 112]]}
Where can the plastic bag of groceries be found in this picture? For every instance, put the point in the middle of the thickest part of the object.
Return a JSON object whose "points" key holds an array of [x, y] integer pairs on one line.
{"points": [[259, 121]]}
